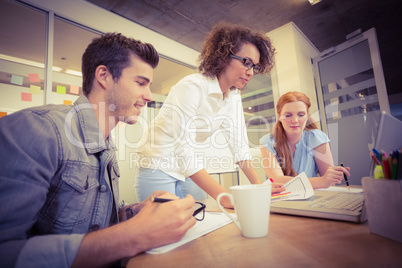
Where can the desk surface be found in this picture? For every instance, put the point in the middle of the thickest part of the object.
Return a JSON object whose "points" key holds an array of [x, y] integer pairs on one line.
{"points": [[291, 242]]}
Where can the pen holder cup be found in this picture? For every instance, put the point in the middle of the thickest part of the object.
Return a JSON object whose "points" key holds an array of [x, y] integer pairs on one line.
{"points": [[383, 204]]}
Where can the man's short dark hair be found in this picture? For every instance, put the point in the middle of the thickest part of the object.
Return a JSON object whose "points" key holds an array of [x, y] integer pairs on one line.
{"points": [[113, 50]]}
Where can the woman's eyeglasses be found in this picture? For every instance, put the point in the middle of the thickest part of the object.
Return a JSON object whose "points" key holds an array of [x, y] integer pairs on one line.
{"points": [[199, 211], [248, 63]]}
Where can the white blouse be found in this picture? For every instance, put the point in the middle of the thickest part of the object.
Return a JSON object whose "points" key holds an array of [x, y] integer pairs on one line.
{"points": [[194, 111]]}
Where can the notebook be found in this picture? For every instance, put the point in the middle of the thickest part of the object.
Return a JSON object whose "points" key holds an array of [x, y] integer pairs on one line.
{"points": [[211, 222], [336, 203]]}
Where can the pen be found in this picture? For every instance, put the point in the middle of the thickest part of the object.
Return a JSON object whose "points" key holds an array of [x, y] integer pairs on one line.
{"points": [[160, 200], [270, 181], [376, 152], [385, 166], [375, 159], [346, 178]]}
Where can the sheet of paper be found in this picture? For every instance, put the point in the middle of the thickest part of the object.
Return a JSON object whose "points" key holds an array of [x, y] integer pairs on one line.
{"points": [[211, 222], [280, 196], [300, 187]]}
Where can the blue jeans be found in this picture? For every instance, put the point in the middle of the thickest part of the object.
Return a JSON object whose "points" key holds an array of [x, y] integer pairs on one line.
{"points": [[151, 180]]}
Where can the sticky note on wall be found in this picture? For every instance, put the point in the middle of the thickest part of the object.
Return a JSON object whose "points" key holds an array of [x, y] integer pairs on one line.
{"points": [[67, 102], [61, 90], [3, 114], [26, 96], [74, 89], [34, 78], [16, 79], [34, 89]]}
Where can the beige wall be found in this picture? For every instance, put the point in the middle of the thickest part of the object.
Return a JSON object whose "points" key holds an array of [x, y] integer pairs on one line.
{"points": [[293, 63]]}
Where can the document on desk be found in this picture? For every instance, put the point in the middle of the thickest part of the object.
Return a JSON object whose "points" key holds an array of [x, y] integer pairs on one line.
{"points": [[211, 222], [299, 188]]}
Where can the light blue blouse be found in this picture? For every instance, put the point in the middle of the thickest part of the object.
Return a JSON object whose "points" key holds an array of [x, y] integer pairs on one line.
{"points": [[303, 159]]}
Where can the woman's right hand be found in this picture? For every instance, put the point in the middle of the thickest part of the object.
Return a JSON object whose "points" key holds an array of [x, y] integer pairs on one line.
{"points": [[333, 175], [225, 202], [277, 188]]}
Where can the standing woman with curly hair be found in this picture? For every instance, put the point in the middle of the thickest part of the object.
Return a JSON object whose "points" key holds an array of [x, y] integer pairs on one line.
{"points": [[196, 108], [296, 145]]}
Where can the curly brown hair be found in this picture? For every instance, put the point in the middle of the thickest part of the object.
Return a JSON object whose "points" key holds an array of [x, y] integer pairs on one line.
{"points": [[226, 39]]}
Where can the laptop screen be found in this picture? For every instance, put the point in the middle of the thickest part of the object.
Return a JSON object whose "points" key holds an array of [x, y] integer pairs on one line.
{"points": [[389, 133]]}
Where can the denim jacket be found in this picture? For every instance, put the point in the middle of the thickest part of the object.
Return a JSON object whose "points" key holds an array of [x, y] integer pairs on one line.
{"points": [[53, 183]]}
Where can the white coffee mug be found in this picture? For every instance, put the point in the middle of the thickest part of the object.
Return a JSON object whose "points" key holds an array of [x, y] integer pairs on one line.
{"points": [[252, 205]]}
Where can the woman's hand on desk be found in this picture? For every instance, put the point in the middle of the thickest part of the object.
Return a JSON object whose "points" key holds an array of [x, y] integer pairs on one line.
{"points": [[225, 202], [333, 175], [277, 187]]}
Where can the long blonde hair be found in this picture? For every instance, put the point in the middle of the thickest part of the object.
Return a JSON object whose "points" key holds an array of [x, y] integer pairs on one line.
{"points": [[281, 145]]}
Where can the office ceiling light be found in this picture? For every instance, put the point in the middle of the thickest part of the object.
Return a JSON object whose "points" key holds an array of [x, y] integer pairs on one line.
{"points": [[313, 2], [73, 72], [28, 62]]}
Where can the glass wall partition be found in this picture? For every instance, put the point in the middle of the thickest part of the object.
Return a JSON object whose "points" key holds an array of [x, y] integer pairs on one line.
{"points": [[351, 95], [70, 42], [258, 106], [166, 74], [22, 57]]}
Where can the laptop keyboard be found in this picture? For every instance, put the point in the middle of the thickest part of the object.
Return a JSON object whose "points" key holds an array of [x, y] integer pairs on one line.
{"points": [[341, 201]]}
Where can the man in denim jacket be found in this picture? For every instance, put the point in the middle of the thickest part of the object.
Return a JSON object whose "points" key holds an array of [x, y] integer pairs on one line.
{"points": [[59, 173]]}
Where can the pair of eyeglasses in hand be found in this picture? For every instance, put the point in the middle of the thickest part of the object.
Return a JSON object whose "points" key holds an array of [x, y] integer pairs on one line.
{"points": [[199, 208], [199, 211]]}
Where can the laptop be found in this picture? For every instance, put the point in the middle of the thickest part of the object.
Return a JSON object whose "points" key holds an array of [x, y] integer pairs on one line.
{"points": [[389, 133], [335, 203]]}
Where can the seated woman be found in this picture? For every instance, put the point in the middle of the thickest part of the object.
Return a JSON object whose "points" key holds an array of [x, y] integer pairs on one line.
{"points": [[296, 145]]}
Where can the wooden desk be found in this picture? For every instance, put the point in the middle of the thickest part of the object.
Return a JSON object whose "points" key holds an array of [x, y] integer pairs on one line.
{"points": [[291, 242]]}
